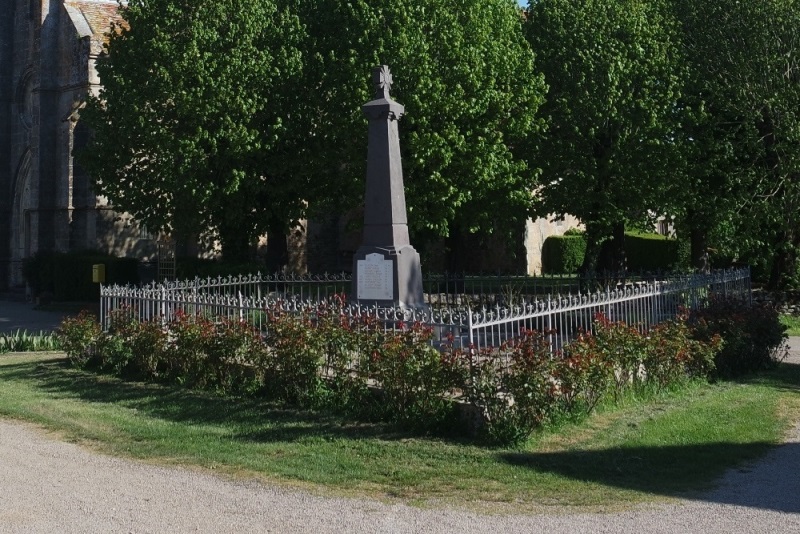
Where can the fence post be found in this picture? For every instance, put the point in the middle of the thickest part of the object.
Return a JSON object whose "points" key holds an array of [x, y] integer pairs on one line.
{"points": [[102, 307], [550, 322]]}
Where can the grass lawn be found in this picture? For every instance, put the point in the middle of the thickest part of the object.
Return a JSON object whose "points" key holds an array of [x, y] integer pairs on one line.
{"points": [[672, 445], [792, 322]]}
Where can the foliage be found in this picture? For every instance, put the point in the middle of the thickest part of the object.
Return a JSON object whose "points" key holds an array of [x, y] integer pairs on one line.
{"points": [[78, 337], [651, 252], [201, 117], [563, 254], [325, 359], [792, 324], [416, 380], [24, 341], [585, 374], [466, 77], [297, 350], [250, 112], [741, 138], [514, 387], [673, 354], [753, 338], [614, 77]]}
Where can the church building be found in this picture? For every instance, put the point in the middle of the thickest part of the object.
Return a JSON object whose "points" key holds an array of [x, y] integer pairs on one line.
{"points": [[48, 50]]}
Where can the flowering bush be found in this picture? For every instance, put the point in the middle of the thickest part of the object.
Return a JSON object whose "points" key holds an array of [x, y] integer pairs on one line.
{"points": [[324, 358], [416, 380], [78, 337], [584, 373], [624, 349], [297, 356], [674, 355], [187, 358], [238, 357], [518, 395]]}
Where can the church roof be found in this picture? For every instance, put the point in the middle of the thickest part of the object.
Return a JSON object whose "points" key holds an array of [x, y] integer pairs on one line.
{"points": [[98, 15]]}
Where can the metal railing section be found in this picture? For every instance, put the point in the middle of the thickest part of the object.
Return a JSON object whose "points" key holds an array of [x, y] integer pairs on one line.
{"points": [[467, 323]]}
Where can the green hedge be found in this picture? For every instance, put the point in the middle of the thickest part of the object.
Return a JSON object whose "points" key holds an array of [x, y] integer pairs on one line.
{"points": [[68, 276], [563, 254], [651, 252], [645, 252]]}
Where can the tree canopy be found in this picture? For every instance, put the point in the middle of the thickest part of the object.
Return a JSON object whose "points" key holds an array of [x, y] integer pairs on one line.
{"points": [[742, 193], [190, 109], [613, 75], [244, 117], [250, 112]]}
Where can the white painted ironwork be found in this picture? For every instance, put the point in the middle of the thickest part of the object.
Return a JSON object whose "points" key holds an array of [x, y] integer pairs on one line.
{"points": [[249, 297]]}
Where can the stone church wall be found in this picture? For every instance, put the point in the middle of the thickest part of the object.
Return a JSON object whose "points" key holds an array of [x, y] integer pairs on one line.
{"points": [[48, 49]]}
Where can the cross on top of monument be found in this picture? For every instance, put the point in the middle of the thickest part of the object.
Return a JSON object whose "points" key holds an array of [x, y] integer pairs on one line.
{"points": [[382, 79]]}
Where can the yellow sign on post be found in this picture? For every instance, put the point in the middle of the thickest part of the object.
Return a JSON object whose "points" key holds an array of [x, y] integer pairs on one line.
{"points": [[99, 273]]}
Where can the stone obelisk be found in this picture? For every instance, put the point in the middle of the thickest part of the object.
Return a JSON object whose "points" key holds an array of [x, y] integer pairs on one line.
{"points": [[386, 268]]}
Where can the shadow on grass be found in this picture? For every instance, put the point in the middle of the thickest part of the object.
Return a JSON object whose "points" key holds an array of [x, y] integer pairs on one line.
{"points": [[784, 376], [670, 470], [249, 419]]}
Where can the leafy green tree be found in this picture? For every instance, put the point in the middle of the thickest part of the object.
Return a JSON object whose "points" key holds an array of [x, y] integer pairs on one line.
{"points": [[244, 116], [190, 110], [742, 195], [614, 75], [466, 76]]}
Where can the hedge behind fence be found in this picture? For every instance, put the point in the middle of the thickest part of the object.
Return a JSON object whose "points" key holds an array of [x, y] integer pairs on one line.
{"points": [[563, 254], [651, 252], [68, 276]]}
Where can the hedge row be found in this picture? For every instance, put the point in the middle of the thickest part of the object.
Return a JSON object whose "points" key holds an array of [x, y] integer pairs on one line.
{"points": [[67, 276], [645, 252]]}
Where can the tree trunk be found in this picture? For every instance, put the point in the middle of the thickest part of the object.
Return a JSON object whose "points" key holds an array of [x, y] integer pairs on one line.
{"points": [[698, 238], [277, 256], [612, 260], [235, 243]]}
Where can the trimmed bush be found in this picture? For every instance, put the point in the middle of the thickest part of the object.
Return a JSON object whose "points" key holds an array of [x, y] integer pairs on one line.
{"points": [[651, 252], [563, 254], [753, 336]]}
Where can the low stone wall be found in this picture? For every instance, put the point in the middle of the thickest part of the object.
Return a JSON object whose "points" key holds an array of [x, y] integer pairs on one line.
{"points": [[786, 302]]}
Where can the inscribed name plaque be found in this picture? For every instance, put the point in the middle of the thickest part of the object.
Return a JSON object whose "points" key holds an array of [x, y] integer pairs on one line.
{"points": [[375, 278]]}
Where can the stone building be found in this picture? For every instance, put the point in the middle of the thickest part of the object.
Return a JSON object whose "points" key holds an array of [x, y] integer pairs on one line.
{"points": [[48, 49]]}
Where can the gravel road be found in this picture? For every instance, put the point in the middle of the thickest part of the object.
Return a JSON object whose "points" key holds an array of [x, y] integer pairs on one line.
{"points": [[47, 486]]}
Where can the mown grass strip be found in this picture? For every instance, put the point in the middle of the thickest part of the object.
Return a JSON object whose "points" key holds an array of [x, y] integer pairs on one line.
{"points": [[792, 323], [670, 445]]}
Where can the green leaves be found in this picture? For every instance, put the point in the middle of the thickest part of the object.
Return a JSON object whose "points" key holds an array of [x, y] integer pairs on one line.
{"points": [[189, 110], [613, 74]]}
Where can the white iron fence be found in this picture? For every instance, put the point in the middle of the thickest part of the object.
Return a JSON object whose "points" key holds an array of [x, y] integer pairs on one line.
{"points": [[467, 319]]}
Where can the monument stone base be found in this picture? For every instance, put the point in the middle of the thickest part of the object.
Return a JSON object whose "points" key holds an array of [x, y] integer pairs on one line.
{"points": [[388, 276]]}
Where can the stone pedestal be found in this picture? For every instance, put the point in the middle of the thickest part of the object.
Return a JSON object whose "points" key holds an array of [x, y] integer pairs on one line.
{"points": [[386, 268], [388, 277]]}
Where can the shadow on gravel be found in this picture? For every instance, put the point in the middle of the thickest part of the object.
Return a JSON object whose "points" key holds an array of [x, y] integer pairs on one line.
{"points": [[773, 485]]}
